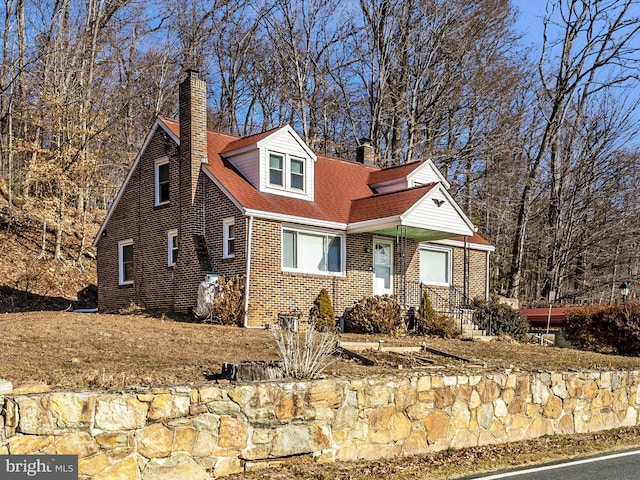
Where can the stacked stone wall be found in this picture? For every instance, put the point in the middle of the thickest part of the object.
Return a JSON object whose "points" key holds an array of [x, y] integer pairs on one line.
{"points": [[220, 428]]}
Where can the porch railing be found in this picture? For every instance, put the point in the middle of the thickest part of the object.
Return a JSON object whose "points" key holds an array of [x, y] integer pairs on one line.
{"points": [[450, 300]]}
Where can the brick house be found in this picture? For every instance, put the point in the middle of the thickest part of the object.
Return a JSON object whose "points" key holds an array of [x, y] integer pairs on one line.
{"points": [[266, 208]]}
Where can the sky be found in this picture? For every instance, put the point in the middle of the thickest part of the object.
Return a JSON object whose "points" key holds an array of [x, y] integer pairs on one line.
{"points": [[530, 19]]}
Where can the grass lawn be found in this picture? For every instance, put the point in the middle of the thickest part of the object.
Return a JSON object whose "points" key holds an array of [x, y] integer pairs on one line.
{"points": [[70, 351], [95, 351]]}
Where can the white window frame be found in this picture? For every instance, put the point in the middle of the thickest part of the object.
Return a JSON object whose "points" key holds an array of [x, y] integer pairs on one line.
{"points": [[449, 252], [156, 174], [226, 237], [287, 172], [290, 175], [172, 246], [121, 270], [317, 232]]}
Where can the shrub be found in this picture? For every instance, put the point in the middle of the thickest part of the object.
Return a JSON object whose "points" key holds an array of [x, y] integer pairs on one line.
{"points": [[500, 319], [580, 329], [227, 307], [611, 329], [430, 322], [321, 313], [377, 314], [305, 354]]}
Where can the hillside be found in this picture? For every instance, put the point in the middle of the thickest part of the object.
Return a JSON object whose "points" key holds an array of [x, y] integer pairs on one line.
{"points": [[30, 277]]}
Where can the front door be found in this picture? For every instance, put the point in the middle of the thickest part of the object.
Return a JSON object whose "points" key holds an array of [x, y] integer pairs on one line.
{"points": [[382, 267]]}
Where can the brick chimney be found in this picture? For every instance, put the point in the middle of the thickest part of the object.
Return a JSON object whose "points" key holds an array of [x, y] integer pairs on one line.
{"points": [[365, 153], [190, 266], [192, 99]]}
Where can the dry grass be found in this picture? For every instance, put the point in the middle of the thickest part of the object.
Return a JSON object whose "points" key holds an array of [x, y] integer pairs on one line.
{"points": [[96, 351], [70, 350]]}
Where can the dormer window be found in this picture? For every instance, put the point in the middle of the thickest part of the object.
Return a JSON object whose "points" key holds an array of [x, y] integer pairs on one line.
{"points": [[297, 174], [286, 171], [277, 162], [276, 169]]}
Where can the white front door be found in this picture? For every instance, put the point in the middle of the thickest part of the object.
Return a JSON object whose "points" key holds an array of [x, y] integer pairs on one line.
{"points": [[382, 267]]}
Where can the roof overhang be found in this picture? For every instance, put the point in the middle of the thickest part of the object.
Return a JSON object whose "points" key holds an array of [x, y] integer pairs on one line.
{"points": [[472, 245], [423, 221], [391, 225]]}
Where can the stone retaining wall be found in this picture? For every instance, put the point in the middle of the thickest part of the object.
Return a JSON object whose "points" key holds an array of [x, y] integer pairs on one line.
{"points": [[220, 428]]}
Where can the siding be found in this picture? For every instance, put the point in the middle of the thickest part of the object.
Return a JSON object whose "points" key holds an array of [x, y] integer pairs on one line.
{"points": [[285, 143], [248, 164], [444, 218], [424, 174]]}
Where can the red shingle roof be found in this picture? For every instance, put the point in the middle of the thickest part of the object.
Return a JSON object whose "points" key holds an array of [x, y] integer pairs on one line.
{"points": [[250, 140], [393, 173], [387, 204], [341, 192]]}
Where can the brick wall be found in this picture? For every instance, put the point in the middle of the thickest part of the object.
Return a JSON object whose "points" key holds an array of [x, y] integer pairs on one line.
{"points": [[194, 203], [273, 291], [217, 208], [136, 217], [477, 271]]}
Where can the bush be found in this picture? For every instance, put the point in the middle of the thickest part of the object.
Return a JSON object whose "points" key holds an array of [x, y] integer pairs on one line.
{"points": [[580, 329], [611, 329], [227, 307], [500, 319], [321, 313], [305, 354], [377, 314], [430, 322]]}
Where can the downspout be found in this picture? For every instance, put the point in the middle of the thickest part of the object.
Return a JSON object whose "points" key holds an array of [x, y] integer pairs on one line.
{"points": [[248, 273], [486, 283]]}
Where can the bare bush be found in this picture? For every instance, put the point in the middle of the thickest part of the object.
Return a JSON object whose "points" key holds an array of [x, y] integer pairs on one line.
{"points": [[306, 354], [430, 322], [227, 307], [377, 314]]}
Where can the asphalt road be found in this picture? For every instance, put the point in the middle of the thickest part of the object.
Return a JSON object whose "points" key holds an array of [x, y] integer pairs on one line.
{"points": [[614, 466]]}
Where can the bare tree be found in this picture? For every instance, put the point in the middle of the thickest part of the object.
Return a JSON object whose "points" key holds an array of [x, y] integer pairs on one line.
{"points": [[595, 52]]}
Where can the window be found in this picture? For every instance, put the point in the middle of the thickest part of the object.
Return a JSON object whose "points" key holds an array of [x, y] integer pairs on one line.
{"points": [[125, 262], [435, 266], [312, 252], [276, 169], [286, 171], [172, 247], [297, 174], [162, 181], [228, 238]]}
